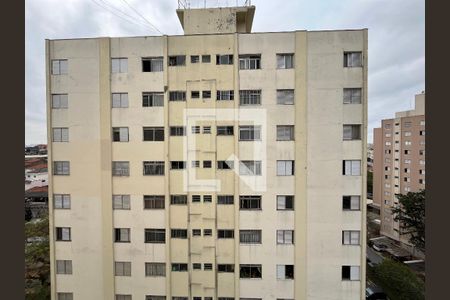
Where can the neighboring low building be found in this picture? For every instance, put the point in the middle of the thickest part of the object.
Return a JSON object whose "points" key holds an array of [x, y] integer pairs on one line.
{"points": [[36, 186], [399, 162]]}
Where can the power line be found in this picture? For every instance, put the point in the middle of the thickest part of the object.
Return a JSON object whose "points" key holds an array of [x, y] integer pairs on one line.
{"points": [[120, 11], [142, 16], [106, 8]]}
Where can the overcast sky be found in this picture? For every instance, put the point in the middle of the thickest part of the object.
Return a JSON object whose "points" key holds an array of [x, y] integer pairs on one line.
{"points": [[396, 40]]}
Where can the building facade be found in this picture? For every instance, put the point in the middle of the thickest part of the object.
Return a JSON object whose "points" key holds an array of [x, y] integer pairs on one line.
{"points": [[399, 162], [218, 164]]}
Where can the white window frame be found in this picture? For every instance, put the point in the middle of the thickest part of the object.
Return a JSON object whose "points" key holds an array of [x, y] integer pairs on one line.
{"points": [[60, 134], [351, 237], [285, 132], [285, 167], [352, 95], [285, 60], [249, 133], [250, 167], [119, 100], [121, 202], [60, 66], [285, 237], [119, 65], [60, 101], [122, 268], [352, 167], [286, 97], [61, 201]]}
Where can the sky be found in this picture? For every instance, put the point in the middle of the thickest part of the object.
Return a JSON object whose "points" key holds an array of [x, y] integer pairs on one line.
{"points": [[396, 51]]}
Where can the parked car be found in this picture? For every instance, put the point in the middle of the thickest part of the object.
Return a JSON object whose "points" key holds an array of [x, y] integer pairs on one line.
{"points": [[374, 292], [379, 247]]}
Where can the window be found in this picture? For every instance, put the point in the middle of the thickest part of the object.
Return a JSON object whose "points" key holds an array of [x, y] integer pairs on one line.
{"points": [[206, 94], [122, 268], [285, 271], [59, 66], [225, 164], [250, 167], [152, 297], [63, 234], [61, 201], [350, 237], [60, 134], [178, 233], [180, 298], [225, 95], [250, 97], [177, 130], [225, 199], [177, 60], [195, 164], [119, 65], [422, 132], [387, 126], [60, 101], [285, 61], [352, 132], [61, 168], [195, 94], [153, 134], [285, 167], [225, 234], [206, 58], [207, 232], [207, 198], [196, 198], [177, 267], [250, 62], [152, 64], [352, 95], [406, 179], [285, 132], [119, 100], [207, 267], [65, 296], [351, 167], [154, 202], [195, 129], [225, 130], [285, 97], [249, 133], [155, 236], [285, 237], [388, 143], [250, 202], [177, 165], [285, 202], [407, 143], [407, 124], [422, 181], [422, 142], [352, 59], [407, 151], [388, 135], [350, 273], [225, 268], [407, 161], [63, 267], [121, 201], [407, 133], [196, 232], [150, 99], [421, 152], [226, 59], [120, 134], [422, 172], [422, 123], [195, 59], [207, 129], [250, 236], [250, 271], [177, 96], [407, 170], [225, 298], [178, 199], [421, 162], [122, 235], [120, 168], [123, 297], [153, 168], [207, 164]]}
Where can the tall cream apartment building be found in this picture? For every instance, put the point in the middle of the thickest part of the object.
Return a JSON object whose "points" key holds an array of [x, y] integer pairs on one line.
{"points": [[219, 164], [399, 162]]}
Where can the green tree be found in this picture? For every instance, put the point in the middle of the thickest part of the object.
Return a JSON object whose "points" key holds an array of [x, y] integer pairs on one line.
{"points": [[411, 214], [37, 260], [397, 280], [369, 182]]}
